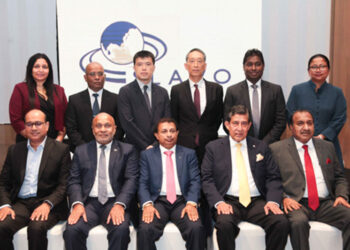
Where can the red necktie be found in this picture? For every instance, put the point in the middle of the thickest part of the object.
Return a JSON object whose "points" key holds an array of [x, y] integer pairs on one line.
{"points": [[197, 104], [311, 181], [170, 178]]}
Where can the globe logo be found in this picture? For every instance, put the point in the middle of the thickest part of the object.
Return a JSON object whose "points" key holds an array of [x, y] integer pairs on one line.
{"points": [[118, 44]]}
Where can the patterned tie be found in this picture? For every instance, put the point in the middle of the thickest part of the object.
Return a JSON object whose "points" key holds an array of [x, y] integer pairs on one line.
{"points": [[102, 178], [244, 193], [197, 104], [145, 94], [311, 181], [170, 178], [95, 107], [255, 110]]}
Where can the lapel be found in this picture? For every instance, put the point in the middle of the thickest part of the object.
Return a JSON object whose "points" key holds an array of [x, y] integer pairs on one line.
{"points": [[179, 163], [320, 152], [45, 156], [140, 97], [104, 100], [295, 155], [22, 160], [209, 94], [245, 93], [92, 151], [86, 103], [226, 153], [264, 94], [157, 166], [114, 160], [251, 155], [188, 97]]}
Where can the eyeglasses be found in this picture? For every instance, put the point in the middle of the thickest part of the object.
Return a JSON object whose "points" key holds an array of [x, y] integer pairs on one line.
{"points": [[36, 124], [92, 74], [320, 67]]}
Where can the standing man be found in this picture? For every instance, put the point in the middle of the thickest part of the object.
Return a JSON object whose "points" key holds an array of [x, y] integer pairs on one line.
{"points": [[313, 182], [265, 100], [241, 182], [142, 103], [33, 185], [102, 182], [196, 105], [169, 190], [85, 105]]}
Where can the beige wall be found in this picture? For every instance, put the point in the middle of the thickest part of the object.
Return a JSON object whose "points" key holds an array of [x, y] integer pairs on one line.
{"points": [[7, 137]]}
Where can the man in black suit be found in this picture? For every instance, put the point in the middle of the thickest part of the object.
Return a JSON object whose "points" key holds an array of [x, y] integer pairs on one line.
{"points": [[83, 106], [241, 182], [141, 103], [33, 185], [196, 105], [169, 190], [265, 100], [102, 182]]}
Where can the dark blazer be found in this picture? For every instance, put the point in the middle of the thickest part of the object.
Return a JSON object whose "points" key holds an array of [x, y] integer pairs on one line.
{"points": [[184, 112], [19, 106], [151, 174], [123, 172], [216, 170], [134, 116], [79, 116], [272, 110], [52, 179], [287, 158]]}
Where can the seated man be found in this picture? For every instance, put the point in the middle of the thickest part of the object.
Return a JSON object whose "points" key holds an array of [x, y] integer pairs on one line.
{"points": [[313, 181], [33, 185], [169, 190], [241, 182], [102, 182]]}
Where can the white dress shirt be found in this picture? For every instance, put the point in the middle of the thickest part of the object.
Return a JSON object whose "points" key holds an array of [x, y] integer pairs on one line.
{"points": [[173, 157], [202, 93], [92, 98], [322, 189], [149, 89], [250, 89]]}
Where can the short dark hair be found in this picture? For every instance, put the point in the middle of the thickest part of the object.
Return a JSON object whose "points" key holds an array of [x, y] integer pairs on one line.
{"points": [[318, 55], [253, 52], [198, 50], [144, 54], [290, 121], [237, 109], [163, 120]]}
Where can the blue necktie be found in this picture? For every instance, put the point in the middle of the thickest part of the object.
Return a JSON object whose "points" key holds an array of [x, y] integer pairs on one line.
{"points": [[95, 107]]}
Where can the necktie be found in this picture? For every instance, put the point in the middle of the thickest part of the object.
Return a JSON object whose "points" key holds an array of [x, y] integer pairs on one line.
{"points": [[145, 94], [244, 193], [102, 178], [197, 104], [170, 178], [95, 107], [311, 181], [255, 110]]}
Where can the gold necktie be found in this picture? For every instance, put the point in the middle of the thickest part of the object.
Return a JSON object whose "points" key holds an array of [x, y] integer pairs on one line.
{"points": [[244, 193]]}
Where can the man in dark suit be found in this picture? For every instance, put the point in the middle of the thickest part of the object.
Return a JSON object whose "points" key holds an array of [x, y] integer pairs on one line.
{"points": [[33, 185], [102, 182], [169, 190], [313, 182], [196, 105], [141, 103], [83, 106], [241, 182], [265, 100]]}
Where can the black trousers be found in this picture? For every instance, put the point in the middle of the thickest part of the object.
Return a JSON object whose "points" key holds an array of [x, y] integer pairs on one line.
{"points": [[191, 231], [338, 217], [118, 236], [37, 230], [276, 226]]}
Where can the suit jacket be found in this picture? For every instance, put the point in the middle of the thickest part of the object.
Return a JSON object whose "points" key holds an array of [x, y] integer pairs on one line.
{"points": [[52, 178], [184, 112], [287, 158], [79, 116], [19, 106], [134, 116], [272, 110], [123, 171], [216, 170], [151, 174]]}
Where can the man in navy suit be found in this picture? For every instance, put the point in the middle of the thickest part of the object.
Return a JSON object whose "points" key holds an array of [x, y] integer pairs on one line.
{"points": [[142, 103], [102, 182], [83, 105], [169, 189], [241, 182]]}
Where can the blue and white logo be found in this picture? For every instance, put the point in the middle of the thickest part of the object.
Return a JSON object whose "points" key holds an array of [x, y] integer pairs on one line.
{"points": [[119, 43]]}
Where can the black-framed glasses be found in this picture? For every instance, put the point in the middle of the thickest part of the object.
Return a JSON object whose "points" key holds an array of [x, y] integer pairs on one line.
{"points": [[36, 124], [320, 67]]}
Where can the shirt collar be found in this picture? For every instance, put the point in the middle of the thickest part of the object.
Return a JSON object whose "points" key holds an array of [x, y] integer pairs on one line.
{"points": [[163, 149], [300, 145], [108, 145], [233, 142], [200, 84], [258, 83], [93, 92], [41, 146], [313, 85], [141, 85]]}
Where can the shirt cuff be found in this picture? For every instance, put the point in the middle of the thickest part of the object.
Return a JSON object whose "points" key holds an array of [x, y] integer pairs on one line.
{"points": [[50, 203], [120, 203], [217, 203], [146, 203], [6, 205], [192, 203], [275, 203]]}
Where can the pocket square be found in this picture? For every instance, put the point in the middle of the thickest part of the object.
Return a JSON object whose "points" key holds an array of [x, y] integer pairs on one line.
{"points": [[259, 157], [328, 161]]}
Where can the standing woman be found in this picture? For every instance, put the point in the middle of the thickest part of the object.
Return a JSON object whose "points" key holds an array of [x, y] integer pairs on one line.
{"points": [[325, 101], [38, 91]]}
